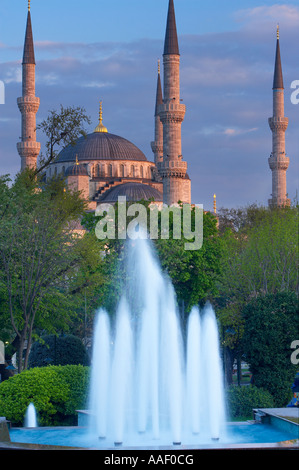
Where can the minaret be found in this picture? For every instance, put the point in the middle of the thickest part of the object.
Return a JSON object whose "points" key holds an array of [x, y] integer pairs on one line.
{"points": [[157, 144], [278, 160], [173, 168], [28, 104]]}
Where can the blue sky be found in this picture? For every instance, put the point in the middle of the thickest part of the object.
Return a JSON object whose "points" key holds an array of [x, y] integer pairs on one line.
{"points": [[91, 50]]}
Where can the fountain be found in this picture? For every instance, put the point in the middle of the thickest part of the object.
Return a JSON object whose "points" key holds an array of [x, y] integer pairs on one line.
{"points": [[153, 386], [31, 417], [148, 383]]}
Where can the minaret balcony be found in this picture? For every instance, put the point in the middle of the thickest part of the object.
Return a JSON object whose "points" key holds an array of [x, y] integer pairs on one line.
{"points": [[176, 168], [28, 104], [278, 123], [28, 148], [278, 162], [171, 111]]}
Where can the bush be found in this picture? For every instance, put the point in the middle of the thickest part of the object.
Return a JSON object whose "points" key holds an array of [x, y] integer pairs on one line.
{"points": [[242, 400], [56, 392], [58, 350]]}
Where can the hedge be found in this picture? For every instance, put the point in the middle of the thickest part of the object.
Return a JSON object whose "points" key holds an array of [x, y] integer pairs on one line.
{"points": [[56, 392], [242, 400]]}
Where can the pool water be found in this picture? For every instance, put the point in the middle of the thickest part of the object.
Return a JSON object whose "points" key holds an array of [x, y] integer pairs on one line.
{"points": [[237, 434]]}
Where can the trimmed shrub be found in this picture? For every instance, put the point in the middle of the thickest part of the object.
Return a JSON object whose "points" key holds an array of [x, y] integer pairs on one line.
{"points": [[56, 392], [242, 400], [58, 350]]}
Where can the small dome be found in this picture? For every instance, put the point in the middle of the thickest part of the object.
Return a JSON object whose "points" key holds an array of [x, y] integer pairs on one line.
{"points": [[133, 192], [76, 170]]}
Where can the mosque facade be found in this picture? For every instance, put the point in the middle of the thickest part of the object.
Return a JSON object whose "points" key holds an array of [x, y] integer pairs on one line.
{"points": [[105, 166]]}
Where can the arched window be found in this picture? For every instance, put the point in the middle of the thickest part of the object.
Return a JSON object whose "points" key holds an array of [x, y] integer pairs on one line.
{"points": [[110, 170], [132, 171], [141, 172], [122, 171]]}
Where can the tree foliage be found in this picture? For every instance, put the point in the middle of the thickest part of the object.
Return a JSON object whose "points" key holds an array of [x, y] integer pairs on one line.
{"points": [[192, 272], [40, 253], [61, 129], [271, 324], [58, 350], [259, 257]]}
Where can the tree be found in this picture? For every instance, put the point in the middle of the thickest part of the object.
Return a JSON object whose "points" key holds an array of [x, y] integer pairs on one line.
{"points": [[192, 272], [271, 324], [40, 252], [61, 129], [58, 350], [259, 257]]}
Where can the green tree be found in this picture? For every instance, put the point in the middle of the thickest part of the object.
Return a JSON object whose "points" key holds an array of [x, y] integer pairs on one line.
{"points": [[40, 253], [58, 350], [61, 129], [259, 256], [271, 324], [193, 272]]}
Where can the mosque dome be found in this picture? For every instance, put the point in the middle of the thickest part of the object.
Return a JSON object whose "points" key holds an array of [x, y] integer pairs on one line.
{"points": [[101, 145], [132, 192], [76, 170]]}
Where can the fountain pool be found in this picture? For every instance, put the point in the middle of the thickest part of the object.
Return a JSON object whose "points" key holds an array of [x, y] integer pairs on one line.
{"points": [[239, 435]]}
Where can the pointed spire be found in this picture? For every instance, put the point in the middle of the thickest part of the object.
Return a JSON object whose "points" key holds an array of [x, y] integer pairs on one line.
{"points": [[159, 96], [278, 79], [28, 55], [171, 45], [100, 127]]}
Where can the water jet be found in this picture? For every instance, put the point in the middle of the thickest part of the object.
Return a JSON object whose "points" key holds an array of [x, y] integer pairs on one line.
{"points": [[31, 417], [149, 381]]}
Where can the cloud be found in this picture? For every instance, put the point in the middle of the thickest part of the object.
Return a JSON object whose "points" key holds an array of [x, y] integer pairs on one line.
{"points": [[286, 15]]}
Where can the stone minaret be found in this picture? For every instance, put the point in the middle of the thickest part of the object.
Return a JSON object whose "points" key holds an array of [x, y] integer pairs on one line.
{"points": [[172, 169], [278, 160], [28, 104], [157, 144]]}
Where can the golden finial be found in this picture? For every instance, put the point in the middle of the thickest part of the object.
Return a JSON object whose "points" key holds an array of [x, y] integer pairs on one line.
{"points": [[214, 205], [77, 163], [277, 31], [100, 127], [29, 5], [101, 112], [159, 66]]}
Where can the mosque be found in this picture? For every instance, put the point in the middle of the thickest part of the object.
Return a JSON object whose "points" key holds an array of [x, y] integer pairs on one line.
{"points": [[104, 166]]}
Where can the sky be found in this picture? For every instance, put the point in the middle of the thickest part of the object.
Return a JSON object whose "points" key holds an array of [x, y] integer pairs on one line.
{"points": [[93, 50]]}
